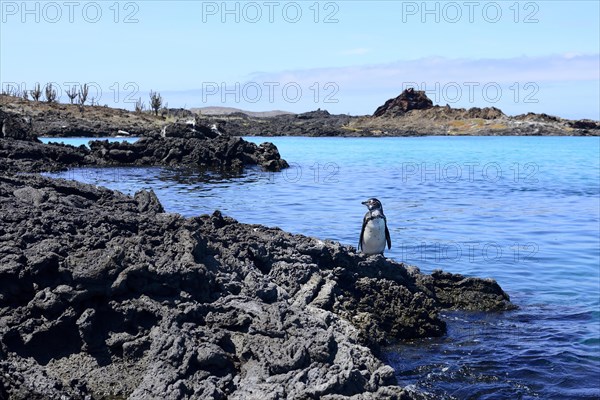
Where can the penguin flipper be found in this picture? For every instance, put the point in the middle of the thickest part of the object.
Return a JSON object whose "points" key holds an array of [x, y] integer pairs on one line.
{"points": [[387, 237], [362, 232]]}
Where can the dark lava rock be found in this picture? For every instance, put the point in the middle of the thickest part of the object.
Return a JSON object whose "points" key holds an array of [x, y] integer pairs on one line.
{"points": [[313, 124], [104, 295], [314, 114], [188, 130], [18, 156], [200, 151], [180, 113], [537, 117], [585, 124], [15, 126], [409, 99], [180, 145], [484, 113]]}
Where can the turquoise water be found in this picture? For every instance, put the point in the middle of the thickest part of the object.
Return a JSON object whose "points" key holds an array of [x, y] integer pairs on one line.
{"points": [[521, 210]]}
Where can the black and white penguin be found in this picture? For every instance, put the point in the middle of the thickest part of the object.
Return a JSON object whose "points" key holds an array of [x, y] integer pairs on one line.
{"points": [[374, 234]]}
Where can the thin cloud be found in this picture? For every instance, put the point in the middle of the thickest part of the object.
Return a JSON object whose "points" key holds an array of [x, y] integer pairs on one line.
{"points": [[554, 68], [355, 52]]}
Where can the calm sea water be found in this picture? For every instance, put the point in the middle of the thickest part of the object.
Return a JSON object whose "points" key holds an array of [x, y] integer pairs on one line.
{"points": [[522, 210]]}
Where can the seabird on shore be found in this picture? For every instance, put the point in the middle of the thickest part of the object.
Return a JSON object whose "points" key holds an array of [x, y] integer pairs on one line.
{"points": [[374, 234]]}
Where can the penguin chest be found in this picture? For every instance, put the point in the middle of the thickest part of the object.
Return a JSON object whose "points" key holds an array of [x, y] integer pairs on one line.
{"points": [[374, 236]]}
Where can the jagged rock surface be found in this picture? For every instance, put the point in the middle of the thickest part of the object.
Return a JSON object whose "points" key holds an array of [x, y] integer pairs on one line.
{"points": [[313, 124], [20, 156], [181, 146], [106, 295], [15, 126], [190, 146], [409, 99]]}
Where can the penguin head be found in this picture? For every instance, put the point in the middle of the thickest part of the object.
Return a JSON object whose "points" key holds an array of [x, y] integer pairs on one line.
{"points": [[373, 204]]}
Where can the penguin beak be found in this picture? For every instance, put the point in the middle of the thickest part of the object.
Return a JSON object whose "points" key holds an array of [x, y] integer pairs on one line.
{"points": [[365, 203]]}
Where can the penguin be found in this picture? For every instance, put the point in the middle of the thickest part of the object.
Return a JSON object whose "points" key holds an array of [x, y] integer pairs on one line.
{"points": [[374, 234]]}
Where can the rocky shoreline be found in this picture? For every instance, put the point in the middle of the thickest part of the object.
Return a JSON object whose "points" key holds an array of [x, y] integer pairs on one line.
{"points": [[184, 145], [412, 113], [107, 295], [409, 114]]}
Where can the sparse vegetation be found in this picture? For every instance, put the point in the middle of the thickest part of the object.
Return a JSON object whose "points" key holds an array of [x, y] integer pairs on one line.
{"points": [[164, 111], [36, 93], [139, 106], [83, 94], [72, 94], [155, 101], [10, 90], [50, 93]]}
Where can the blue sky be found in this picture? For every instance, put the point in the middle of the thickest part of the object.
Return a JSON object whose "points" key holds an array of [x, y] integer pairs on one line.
{"points": [[343, 56]]}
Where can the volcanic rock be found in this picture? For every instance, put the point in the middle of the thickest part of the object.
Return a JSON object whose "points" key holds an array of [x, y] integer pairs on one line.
{"points": [[14, 126], [409, 99], [19, 156], [182, 145], [484, 113], [586, 124], [199, 151], [105, 295]]}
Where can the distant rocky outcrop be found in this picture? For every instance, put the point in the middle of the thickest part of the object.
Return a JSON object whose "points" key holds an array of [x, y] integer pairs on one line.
{"points": [[409, 99], [412, 113], [484, 113], [104, 295], [582, 124], [312, 124], [317, 114], [585, 124], [190, 145]]}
